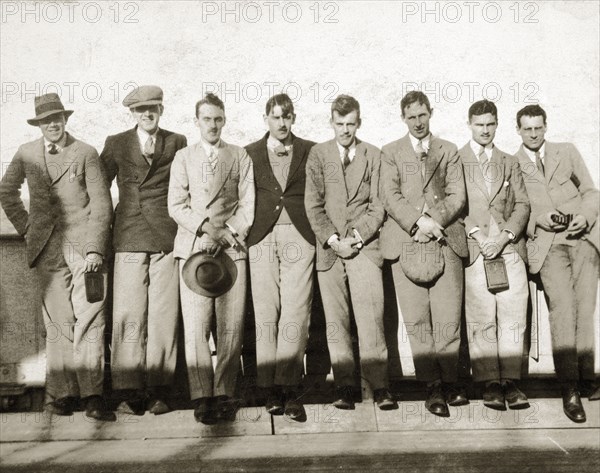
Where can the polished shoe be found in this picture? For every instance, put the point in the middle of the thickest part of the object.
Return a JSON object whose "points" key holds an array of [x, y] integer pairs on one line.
{"points": [[95, 408], [595, 394], [493, 397], [572, 405], [63, 406], [456, 395], [226, 407], [436, 401], [344, 398], [158, 407], [205, 411], [293, 406], [274, 402], [515, 398], [134, 407], [384, 399]]}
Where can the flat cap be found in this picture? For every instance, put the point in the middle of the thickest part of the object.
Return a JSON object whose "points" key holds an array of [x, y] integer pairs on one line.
{"points": [[144, 95]]}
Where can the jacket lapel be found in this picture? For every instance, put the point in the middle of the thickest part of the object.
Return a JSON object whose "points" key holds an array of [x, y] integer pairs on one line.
{"points": [[434, 157], [528, 168], [298, 152], [551, 161], [39, 161], [224, 165], [159, 147], [356, 170], [334, 172], [410, 170], [60, 163], [497, 174], [133, 145], [474, 170]]}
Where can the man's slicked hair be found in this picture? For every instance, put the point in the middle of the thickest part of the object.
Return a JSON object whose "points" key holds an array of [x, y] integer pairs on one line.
{"points": [[482, 107], [209, 99], [531, 111], [412, 97], [345, 104], [283, 101]]}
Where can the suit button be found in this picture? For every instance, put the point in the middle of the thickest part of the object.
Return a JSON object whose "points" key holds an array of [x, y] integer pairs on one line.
{"points": [[435, 196], [277, 208], [281, 198]]}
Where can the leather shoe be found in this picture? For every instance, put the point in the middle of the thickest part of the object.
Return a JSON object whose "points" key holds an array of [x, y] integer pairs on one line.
{"points": [[204, 410], [158, 407], [134, 407], [515, 398], [456, 395], [63, 406], [595, 394], [436, 401], [293, 406], [226, 407], [589, 389], [384, 399], [274, 403], [572, 404], [343, 398], [95, 408], [493, 397]]}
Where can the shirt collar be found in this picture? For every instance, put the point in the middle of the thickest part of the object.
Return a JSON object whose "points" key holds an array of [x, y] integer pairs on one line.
{"points": [[273, 143], [59, 146], [476, 147], [531, 154], [143, 136], [208, 147], [424, 142], [351, 150]]}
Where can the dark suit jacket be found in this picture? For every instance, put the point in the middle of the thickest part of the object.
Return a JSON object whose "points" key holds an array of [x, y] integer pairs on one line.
{"points": [[404, 193], [68, 194], [142, 221], [507, 202], [271, 198], [565, 186], [338, 204]]}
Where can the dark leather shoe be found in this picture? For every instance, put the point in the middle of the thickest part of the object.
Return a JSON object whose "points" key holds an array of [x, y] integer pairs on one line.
{"points": [[95, 408], [595, 394], [274, 402], [589, 389], [344, 398], [204, 410], [384, 399], [456, 395], [572, 404], [63, 406], [158, 407], [515, 398], [493, 397], [134, 407], [293, 406], [436, 401], [226, 407]]}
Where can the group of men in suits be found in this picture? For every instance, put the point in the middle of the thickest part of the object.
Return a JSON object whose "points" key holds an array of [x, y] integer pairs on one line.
{"points": [[276, 211]]}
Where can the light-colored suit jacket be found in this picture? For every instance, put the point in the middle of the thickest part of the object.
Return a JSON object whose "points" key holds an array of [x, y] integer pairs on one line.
{"points": [[338, 204], [224, 196], [67, 194], [506, 202], [404, 193], [565, 186]]}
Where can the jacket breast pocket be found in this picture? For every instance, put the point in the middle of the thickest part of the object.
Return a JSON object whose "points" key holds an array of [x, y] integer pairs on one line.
{"points": [[567, 187]]}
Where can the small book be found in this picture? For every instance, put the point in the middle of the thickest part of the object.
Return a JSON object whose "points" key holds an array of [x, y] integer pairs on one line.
{"points": [[495, 274], [94, 286]]}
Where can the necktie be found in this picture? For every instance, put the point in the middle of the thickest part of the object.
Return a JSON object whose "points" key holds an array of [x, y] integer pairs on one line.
{"points": [[346, 159], [421, 154], [52, 149], [281, 151], [484, 164], [213, 158], [539, 163], [149, 149]]}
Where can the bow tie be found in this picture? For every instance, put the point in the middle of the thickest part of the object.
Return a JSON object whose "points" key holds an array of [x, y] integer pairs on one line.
{"points": [[281, 150]]}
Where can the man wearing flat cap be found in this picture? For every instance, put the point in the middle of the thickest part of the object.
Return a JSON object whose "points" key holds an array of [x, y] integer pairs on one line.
{"points": [[146, 281], [66, 230], [211, 197]]}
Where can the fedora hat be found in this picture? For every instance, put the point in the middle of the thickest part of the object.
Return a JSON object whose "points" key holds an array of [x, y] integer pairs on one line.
{"points": [[143, 95], [209, 275], [46, 105]]}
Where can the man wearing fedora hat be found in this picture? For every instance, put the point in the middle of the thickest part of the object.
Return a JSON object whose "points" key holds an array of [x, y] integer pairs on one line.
{"points": [[146, 279], [66, 230], [211, 197]]}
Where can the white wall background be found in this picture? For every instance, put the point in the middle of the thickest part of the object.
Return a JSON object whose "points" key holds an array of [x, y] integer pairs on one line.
{"points": [[91, 52]]}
